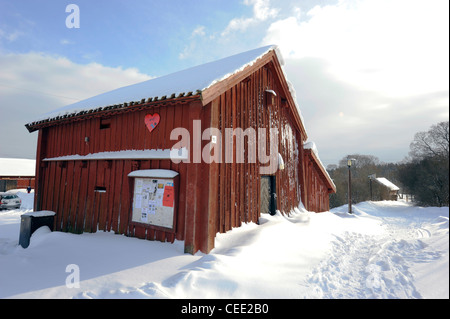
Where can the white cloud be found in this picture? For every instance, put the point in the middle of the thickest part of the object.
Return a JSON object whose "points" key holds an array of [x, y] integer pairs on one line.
{"points": [[199, 31], [369, 74], [57, 75], [187, 51], [66, 42], [395, 47], [261, 12], [10, 36], [34, 83], [261, 9]]}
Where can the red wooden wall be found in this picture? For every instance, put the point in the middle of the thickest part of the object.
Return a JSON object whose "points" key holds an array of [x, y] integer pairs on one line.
{"points": [[126, 131], [212, 197], [237, 186], [316, 189], [68, 187]]}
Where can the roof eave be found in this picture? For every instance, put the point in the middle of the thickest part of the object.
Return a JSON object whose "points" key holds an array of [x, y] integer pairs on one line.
{"points": [[220, 87], [114, 109]]}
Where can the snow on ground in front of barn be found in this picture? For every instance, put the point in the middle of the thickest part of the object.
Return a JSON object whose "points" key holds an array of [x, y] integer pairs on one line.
{"points": [[383, 250]]}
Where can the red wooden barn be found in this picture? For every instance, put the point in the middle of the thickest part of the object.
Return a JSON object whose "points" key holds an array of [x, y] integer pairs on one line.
{"points": [[156, 160], [16, 173]]}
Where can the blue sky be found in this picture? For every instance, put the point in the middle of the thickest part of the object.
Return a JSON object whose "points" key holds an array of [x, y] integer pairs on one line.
{"points": [[368, 74], [157, 37]]}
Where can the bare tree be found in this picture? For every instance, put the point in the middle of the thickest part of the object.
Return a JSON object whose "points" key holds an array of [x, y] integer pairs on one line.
{"points": [[426, 176], [360, 160], [434, 142]]}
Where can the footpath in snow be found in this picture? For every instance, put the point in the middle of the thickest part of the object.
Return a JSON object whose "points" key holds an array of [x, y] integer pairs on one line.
{"points": [[383, 250]]}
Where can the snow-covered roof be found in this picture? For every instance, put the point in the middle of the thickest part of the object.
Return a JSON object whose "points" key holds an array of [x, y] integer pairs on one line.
{"points": [[387, 183], [311, 146], [42, 213], [17, 167], [156, 173], [192, 80]]}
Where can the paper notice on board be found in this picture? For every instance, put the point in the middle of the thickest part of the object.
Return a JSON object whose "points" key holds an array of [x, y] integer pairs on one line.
{"points": [[149, 187], [144, 215], [160, 188], [138, 201], [159, 199], [168, 196], [152, 207], [139, 184], [153, 202]]}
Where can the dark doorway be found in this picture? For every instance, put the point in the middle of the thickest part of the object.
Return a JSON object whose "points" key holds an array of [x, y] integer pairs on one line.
{"points": [[268, 195]]}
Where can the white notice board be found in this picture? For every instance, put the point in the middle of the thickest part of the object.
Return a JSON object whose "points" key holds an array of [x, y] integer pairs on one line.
{"points": [[153, 201]]}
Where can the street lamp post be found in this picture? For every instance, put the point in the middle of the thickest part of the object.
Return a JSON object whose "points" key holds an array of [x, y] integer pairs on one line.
{"points": [[349, 164]]}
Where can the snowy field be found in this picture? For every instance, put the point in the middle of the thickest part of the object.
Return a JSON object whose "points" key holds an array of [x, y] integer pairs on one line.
{"points": [[384, 250]]}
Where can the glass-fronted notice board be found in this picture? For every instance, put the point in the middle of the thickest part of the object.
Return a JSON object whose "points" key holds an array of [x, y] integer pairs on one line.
{"points": [[154, 197]]}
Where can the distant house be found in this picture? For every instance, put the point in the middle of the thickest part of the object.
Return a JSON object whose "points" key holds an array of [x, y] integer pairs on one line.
{"points": [[385, 189], [107, 162], [16, 173]]}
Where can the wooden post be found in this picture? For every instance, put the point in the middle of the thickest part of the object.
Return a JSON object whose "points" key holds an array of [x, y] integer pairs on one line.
{"points": [[349, 190], [192, 187], [213, 208]]}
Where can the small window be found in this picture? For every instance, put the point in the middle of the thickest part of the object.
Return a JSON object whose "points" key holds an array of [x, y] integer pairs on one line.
{"points": [[105, 123], [100, 189], [270, 97]]}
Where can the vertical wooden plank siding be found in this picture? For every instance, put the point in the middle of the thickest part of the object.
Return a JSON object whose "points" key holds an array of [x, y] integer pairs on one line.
{"points": [[243, 107], [318, 193], [96, 194], [38, 170], [214, 176], [63, 177], [203, 237], [65, 212], [180, 118], [68, 187]]}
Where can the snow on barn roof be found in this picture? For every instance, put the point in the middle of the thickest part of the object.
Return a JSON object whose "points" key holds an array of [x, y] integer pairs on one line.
{"points": [[387, 183], [15, 167], [182, 83]]}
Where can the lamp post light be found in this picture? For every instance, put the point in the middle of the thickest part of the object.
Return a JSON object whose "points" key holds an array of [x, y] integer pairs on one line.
{"points": [[349, 164]]}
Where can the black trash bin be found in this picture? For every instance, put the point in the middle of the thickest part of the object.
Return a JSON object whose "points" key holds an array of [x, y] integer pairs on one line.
{"points": [[32, 221]]}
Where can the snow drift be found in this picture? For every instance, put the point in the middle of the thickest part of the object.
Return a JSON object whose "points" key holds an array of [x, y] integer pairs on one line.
{"points": [[383, 250]]}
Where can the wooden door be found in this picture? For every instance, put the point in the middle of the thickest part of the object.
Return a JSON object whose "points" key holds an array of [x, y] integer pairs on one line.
{"points": [[268, 202]]}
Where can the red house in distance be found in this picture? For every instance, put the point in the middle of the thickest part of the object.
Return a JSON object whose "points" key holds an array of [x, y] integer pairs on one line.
{"points": [[152, 160]]}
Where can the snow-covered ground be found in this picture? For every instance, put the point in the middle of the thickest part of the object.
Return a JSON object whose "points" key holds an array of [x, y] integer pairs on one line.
{"points": [[383, 250]]}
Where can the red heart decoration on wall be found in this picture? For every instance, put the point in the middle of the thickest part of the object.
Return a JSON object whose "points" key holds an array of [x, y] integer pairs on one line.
{"points": [[151, 121]]}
